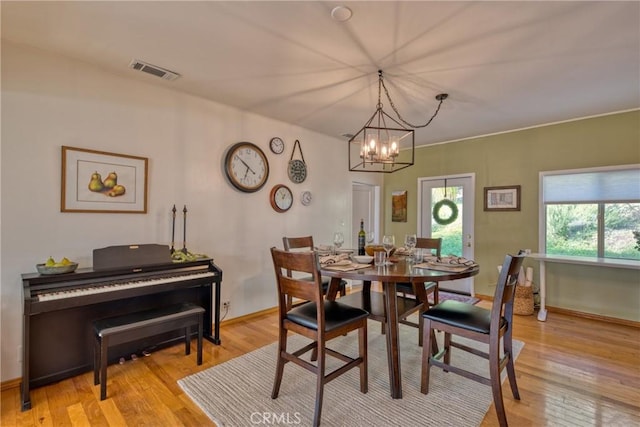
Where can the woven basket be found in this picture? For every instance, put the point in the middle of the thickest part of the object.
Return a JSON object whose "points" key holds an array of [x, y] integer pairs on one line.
{"points": [[523, 301]]}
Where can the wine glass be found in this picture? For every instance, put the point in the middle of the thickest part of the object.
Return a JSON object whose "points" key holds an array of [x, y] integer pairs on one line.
{"points": [[338, 239], [388, 242], [410, 241], [370, 236]]}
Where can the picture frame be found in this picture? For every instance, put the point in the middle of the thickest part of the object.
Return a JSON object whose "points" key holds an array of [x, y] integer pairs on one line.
{"points": [[399, 206], [98, 181], [505, 198]]}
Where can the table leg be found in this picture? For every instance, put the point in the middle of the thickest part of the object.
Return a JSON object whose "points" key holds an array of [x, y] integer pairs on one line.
{"points": [[393, 347], [542, 314], [334, 285]]}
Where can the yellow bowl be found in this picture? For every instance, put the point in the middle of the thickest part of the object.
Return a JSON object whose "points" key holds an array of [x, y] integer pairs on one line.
{"points": [[376, 248]]}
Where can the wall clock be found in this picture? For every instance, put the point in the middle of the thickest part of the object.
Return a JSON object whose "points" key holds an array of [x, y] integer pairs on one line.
{"points": [[305, 198], [276, 145], [281, 198], [246, 167], [297, 169]]}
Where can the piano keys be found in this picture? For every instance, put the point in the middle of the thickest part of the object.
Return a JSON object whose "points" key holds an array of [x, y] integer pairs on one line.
{"points": [[59, 309]]}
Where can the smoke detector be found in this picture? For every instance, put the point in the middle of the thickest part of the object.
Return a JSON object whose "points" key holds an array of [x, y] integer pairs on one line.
{"points": [[154, 70]]}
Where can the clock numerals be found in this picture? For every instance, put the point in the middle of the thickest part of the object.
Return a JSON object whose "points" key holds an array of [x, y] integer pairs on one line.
{"points": [[276, 145], [297, 171]]}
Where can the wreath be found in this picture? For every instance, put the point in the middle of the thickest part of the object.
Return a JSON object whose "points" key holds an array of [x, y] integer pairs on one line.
{"points": [[436, 212]]}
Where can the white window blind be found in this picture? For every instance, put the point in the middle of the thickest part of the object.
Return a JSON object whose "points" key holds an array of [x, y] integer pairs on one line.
{"points": [[614, 185]]}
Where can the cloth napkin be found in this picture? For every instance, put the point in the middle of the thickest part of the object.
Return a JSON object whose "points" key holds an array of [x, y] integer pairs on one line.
{"points": [[340, 259]]}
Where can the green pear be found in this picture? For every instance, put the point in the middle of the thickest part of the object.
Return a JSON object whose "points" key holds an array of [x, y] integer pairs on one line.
{"points": [[118, 190], [50, 262], [111, 180], [95, 184]]}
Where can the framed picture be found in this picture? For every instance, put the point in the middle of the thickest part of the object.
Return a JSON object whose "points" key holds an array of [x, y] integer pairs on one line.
{"points": [[399, 206], [97, 181], [505, 198]]}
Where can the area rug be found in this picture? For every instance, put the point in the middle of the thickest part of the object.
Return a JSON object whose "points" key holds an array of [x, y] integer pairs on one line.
{"points": [[238, 392]]}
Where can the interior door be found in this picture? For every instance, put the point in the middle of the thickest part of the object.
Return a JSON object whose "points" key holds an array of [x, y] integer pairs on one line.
{"points": [[457, 236], [364, 204]]}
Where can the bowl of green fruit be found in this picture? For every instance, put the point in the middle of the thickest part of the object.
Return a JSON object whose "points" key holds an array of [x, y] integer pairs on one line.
{"points": [[53, 267]]}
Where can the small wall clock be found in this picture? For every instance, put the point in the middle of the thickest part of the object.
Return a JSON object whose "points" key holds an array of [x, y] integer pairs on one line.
{"points": [[305, 198], [246, 167], [297, 169], [276, 145], [281, 198]]}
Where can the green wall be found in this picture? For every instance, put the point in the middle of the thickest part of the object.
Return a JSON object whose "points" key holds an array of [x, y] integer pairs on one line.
{"points": [[516, 158]]}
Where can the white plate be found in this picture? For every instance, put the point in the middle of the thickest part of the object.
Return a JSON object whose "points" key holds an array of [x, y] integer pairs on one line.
{"points": [[345, 251], [362, 259]]}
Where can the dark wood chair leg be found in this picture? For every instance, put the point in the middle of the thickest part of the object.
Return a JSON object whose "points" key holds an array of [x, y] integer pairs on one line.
{"points": [[426, 357], [511, 372], [320, 382], [496, 387], [282, 347], [362, 344]]}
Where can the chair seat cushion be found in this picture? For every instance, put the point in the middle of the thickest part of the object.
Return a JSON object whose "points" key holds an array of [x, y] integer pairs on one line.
{"points": [[462, 315], [335, 315]]}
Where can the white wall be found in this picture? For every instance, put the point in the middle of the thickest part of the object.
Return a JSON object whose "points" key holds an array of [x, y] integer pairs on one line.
{"points": [[49, 101]]}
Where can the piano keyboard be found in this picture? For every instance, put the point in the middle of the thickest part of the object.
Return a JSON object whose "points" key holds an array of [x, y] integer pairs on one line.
{"points": [[111, 287]]}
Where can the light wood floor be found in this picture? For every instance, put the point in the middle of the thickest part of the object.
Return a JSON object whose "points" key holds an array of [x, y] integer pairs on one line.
{"points": [[571, 372]]}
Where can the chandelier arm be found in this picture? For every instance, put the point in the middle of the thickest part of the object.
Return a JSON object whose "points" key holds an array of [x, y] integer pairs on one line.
{"points": [[398, 113]]}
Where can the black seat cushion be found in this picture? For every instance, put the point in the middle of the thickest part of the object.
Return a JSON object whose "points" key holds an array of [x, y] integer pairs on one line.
{"points": [[335, 315], [462, 315]]}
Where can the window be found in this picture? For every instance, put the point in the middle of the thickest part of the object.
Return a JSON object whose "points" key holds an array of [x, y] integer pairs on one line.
{"points": [[591, 212]]}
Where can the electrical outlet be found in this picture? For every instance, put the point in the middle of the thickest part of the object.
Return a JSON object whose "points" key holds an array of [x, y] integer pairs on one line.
{"points": [[226, 304]]}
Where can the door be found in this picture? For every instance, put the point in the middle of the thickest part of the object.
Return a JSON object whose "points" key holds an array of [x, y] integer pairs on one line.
{"points": [[364, 206], [450, 193]]}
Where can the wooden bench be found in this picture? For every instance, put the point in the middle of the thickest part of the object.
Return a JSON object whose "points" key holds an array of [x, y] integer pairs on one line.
{"points": [[134, 326]]}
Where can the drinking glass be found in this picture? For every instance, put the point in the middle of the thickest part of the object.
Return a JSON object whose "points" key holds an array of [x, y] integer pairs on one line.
{"points": [[370, 236], [388, 242], [410, 241], [338, 239]]}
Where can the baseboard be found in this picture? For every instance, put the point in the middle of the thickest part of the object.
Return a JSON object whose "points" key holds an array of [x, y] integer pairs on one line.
{"points": [[8, 385], [249, 316], [582, 314]]}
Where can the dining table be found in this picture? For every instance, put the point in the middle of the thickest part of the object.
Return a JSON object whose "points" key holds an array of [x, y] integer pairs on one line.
{"points": [[386, 304]]}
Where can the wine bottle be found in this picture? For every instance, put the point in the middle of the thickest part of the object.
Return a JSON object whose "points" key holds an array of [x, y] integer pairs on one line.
{"points": [[361, 238]]}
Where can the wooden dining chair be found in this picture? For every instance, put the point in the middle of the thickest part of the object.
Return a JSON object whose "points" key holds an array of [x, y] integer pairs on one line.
{"points": [[317, 319], [478, 324], [435, 245], [306, 243]]}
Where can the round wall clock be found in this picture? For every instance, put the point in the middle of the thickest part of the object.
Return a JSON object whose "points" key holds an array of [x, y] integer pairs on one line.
{"points": [[281, 198], [305, 198], [276, 145], [297, 171], [246, 167]]}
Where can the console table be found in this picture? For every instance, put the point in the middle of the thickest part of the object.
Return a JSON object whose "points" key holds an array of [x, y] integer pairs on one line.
{"points": [[566, 259]]}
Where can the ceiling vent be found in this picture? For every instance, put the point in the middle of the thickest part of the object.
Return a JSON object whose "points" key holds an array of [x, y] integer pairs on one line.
{"points": [[153, 70]]}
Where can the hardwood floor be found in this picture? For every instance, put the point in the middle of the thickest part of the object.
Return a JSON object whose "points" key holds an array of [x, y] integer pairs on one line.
{"points": [[571, 372]]}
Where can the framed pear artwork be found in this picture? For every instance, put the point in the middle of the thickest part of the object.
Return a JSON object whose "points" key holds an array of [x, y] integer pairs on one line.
{"points": [[99, 181]]}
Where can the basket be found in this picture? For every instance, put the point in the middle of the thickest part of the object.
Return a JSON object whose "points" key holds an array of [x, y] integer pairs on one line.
{"points": [[523, 301]]}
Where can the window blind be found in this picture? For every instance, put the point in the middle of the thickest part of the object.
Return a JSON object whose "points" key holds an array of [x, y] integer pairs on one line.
{"points": [[615, 185]]}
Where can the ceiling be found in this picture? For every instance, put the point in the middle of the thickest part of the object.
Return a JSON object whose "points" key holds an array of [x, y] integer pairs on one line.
{"points": [[505, 65]]}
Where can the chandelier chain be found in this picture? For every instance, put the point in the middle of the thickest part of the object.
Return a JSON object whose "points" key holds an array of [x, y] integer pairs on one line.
{"points": [[386, 91]]}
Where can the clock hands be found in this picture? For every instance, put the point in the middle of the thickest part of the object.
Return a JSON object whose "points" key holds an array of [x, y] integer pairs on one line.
{"points": [[248, 167]]}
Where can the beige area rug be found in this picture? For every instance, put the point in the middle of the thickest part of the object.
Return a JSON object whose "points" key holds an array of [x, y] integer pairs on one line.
{"points": [[238, 392]]}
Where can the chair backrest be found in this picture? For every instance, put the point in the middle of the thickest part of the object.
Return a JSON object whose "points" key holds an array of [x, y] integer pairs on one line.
{"points": [[305, 242], [303, 288], [430, 243], [505, 290]]}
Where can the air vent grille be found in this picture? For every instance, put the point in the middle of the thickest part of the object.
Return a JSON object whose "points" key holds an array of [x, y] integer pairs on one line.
{"points": [[145, 67]]}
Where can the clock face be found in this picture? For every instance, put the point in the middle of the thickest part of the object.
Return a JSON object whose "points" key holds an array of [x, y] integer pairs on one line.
{"points": [[246, 167], [281, 198], [305, 198], [297, 171], [276, 145]]}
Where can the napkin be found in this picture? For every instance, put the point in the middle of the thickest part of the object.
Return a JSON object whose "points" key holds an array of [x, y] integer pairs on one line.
{"points": [[340, 259]]}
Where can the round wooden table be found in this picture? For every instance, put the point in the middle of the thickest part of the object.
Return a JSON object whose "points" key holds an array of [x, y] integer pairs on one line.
{"points": [[400, 271]]}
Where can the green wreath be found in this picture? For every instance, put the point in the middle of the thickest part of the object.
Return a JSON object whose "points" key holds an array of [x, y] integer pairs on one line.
{"points": [[436, 212]]}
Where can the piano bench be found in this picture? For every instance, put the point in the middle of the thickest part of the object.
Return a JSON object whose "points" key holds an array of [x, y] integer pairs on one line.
{"points": [[143, 324]]}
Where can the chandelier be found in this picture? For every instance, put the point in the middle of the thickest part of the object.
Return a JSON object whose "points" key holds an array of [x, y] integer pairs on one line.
{"points": [[376, 147]]}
